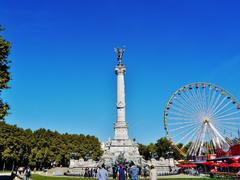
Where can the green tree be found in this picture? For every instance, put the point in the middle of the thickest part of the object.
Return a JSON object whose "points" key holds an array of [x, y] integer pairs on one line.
{"points": [[143, 151], [43, 148], [4, 72], [163, 147]]}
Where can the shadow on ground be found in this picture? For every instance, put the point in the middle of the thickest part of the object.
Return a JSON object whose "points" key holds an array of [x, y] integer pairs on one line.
{"points": [[5, 177]]}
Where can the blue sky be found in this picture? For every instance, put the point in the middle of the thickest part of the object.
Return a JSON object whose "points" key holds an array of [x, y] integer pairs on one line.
{"points": [[63, 59]]}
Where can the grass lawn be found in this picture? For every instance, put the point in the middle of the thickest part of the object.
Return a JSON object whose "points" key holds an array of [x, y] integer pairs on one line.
{"points": [[5, 171], [38, 177]]}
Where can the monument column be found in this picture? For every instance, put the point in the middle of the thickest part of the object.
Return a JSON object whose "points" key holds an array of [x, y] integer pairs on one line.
{"points": [[120, 127]]}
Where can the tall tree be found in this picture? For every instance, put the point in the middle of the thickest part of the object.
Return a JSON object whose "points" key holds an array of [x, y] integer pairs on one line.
{"points": [[143, 150], [163, 147], [4, 72]]}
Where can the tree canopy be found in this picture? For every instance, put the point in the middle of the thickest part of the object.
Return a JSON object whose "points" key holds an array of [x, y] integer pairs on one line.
{"points": [[162, 148], [4, 72], [43, 148]]}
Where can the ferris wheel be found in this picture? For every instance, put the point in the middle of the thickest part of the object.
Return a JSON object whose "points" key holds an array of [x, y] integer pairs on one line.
{"points": [[204, 116]]}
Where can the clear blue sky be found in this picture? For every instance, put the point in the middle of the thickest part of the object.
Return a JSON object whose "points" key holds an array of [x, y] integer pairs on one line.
{"points": [[63, 60]]}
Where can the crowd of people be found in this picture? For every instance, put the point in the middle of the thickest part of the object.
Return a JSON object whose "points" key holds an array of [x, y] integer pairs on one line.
{"points": [[121, 172], [90, 172], [21, 173]]}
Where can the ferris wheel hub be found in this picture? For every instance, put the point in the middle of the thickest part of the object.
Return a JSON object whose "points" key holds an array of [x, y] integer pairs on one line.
{"points": [[206, 120]]}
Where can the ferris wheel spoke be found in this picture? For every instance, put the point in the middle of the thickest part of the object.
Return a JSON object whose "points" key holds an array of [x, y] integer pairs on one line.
{"points": [[208, 95], [192, 99], [186, 135], [213, 95], [226, 111], [180, 134], [179, 115], [219, 108], [187, 103], [197, 107], [205, 100], [215, 104], [183, 127], [225, 120], [180, 120], [226, 115], [193, 91], [180, 123], [198, 100], [195, 99], [228, 119], [177, 109], [216, 111], [193, 135], [209, 98], [201, 99], [185, 106]]}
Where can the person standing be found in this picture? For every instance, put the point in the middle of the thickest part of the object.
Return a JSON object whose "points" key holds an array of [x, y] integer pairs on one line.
{"points": [[102, 173], [153, 173], [114, 172], [121, 172], [133, 171], [27, 173]]}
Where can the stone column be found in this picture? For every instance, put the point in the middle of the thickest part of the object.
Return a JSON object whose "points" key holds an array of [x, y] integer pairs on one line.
{"points": [[120, 71], [121, 128]]}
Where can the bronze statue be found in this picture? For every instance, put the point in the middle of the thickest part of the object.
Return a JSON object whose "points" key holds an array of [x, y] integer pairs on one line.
{"points": [[119, 52]]}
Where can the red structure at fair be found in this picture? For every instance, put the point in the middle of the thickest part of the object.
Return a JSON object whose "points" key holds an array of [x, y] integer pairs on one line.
{"points": [[233, 151]]}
